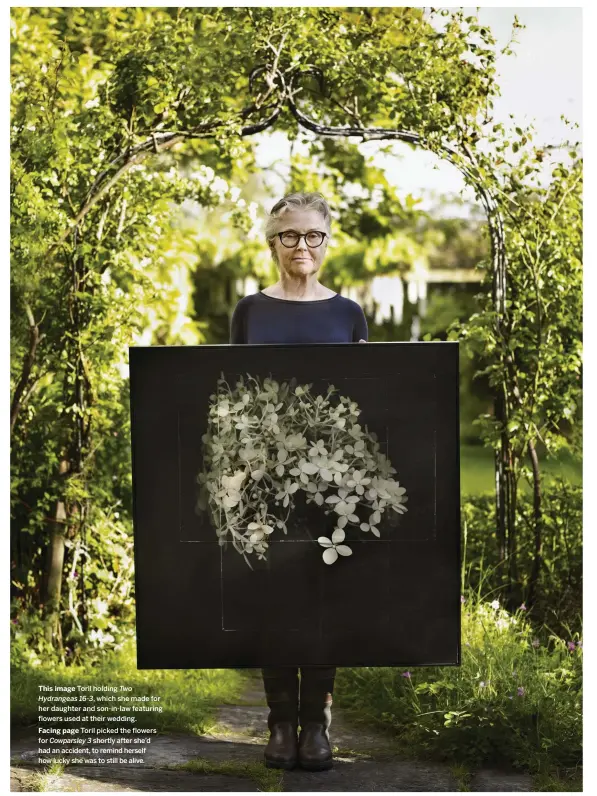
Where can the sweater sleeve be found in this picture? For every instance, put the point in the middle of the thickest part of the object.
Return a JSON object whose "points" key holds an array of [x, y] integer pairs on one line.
{"points": [[237, 325], [360, 330]]}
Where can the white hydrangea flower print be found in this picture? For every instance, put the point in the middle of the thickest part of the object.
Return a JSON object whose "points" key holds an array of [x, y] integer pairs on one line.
{"points": [[334, 546], [343, 504], [288, 489], [358, 481], [231, 485], [260, 530], [374, 520], [318, 449], [266, 441]]}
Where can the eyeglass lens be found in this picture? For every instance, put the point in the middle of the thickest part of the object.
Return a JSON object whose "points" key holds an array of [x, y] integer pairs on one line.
{"points": [[312, 238]]}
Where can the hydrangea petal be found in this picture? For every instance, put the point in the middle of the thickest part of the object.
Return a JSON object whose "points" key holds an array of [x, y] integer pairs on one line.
{"points": [[338, 535]]}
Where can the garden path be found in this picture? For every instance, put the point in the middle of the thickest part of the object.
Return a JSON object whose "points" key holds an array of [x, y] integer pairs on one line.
{"points": [[365, 760]]}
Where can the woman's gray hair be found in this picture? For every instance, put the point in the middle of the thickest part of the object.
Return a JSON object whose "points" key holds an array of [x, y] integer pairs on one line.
{"points": [[297, 201]]}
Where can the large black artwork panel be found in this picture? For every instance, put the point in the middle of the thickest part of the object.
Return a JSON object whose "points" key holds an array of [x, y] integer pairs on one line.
{"points": [[394, 601]]}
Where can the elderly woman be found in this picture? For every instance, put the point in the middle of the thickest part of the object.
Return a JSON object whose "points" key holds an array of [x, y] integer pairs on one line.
{"points": [[298, 309]]}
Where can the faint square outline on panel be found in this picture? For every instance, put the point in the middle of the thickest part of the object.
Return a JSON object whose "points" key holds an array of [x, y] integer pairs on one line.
{"points": [[282, 378]]}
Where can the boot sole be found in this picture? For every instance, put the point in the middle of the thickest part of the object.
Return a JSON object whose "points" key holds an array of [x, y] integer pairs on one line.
{"points": [[324, 765], [287, 765]]}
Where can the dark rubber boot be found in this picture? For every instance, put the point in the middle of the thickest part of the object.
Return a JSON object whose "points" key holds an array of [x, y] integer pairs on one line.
{"points": [[282, 693], [315, 717]]}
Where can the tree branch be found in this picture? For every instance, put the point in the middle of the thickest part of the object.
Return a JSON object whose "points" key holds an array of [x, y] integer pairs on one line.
{"points": [[20, 395]]}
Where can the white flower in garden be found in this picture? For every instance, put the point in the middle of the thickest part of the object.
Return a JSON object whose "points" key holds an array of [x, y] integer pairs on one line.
{"points": [[495, 604], [333, 546], [98, 638], [100, 607]]}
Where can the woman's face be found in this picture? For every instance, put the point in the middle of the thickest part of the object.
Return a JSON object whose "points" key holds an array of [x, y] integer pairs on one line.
{"points": [[301, 260]]}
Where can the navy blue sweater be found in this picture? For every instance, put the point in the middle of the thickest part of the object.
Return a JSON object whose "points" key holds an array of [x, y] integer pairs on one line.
{"points": [[259, 318]]}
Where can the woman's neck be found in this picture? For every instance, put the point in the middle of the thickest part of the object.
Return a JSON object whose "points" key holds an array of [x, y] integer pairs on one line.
{"points": [[302, 290]]}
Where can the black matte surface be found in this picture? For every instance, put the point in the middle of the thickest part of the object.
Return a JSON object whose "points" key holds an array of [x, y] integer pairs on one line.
{"points": [[395, 601]]}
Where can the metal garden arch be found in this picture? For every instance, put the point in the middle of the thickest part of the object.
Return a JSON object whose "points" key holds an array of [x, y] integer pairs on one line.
{"points": [[282, 89]]}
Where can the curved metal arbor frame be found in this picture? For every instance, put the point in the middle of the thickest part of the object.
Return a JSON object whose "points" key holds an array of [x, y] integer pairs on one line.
{"points": [[282, 89]]}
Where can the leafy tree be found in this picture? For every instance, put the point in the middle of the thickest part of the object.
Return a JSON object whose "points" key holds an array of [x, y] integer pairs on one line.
{"points": [[534, 358]]}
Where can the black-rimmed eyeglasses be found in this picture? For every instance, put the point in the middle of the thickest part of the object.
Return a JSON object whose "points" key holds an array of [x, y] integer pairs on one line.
{"points": [[313, 238]]}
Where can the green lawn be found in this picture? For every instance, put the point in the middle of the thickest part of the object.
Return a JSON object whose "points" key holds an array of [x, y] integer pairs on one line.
{"points": [[477, 469], [189, 698]]}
